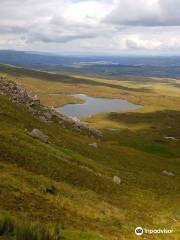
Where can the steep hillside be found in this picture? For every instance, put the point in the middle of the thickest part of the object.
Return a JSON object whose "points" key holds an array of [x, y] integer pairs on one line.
{"points": [[79, 185]]}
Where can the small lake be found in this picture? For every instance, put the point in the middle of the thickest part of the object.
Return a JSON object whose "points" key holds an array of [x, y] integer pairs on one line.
{"points": [[92, 106]]}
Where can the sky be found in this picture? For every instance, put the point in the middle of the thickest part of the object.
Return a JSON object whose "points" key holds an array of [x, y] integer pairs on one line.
{"points": [[91, 27]]}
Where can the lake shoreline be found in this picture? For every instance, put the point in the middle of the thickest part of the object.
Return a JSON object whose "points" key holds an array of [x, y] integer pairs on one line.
{"points": [[93, 105]]}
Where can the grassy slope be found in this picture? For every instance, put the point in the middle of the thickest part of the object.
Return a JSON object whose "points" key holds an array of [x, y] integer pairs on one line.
{"points": [[29, 166], [86, 203]]}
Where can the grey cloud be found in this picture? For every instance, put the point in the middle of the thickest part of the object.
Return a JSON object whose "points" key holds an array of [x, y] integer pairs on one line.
{"points": [[49, 37], [41, 21], [146, 13], [12, 29], [40, 24]]}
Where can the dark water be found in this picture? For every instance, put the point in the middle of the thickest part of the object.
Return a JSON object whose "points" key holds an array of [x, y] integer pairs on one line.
{"points": [[92, 106]]}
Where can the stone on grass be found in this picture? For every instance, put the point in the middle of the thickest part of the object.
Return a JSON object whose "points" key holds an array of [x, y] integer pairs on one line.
{"points": [[167, 173], [117, 180], [95, 145], [171, 138], [36, 133]]}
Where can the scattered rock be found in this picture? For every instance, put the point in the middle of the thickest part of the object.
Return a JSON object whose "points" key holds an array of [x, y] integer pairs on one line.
{"points": [[36, 133], [91, 131], [43, 119], [75, 119], [170, 138], [77, 125], [48, 115], [167, 173], [95, 145], [117, 180]]}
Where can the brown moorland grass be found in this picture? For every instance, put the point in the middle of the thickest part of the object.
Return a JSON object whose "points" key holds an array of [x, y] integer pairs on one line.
{"points": [[150, 93]]}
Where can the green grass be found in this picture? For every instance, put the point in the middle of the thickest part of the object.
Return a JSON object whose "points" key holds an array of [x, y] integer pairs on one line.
{"points": [[68, 183], [82, 179], [19, 230], [76, 235]]}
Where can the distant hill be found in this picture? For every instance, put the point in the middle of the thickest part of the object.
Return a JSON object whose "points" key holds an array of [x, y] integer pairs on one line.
{"points": [[110, 66], [28, 59]]}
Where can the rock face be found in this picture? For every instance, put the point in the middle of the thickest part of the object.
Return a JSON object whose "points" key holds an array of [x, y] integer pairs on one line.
{"points": [[167, 173], [36, 133], [117, 180]]}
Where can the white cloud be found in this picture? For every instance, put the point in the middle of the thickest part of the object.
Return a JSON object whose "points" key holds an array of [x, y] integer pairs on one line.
{"points": [[87, 12], [94, 26], [136, 43]]}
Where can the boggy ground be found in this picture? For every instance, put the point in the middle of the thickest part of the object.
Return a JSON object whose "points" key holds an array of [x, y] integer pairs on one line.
{"points": [[70, 183]]}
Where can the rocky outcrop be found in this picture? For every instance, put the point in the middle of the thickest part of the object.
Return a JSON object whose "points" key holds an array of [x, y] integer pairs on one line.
{"points": [[38, 134], [76, 124], [19, 95], [80, 125]]}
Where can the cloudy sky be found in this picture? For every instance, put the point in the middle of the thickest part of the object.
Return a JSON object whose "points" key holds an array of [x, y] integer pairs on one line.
{"points": [[91, 26]]}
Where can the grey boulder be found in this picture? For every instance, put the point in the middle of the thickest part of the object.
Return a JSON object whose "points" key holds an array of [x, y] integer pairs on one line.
{"points": [[117, 180], [167, 173], [38, 134]]}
